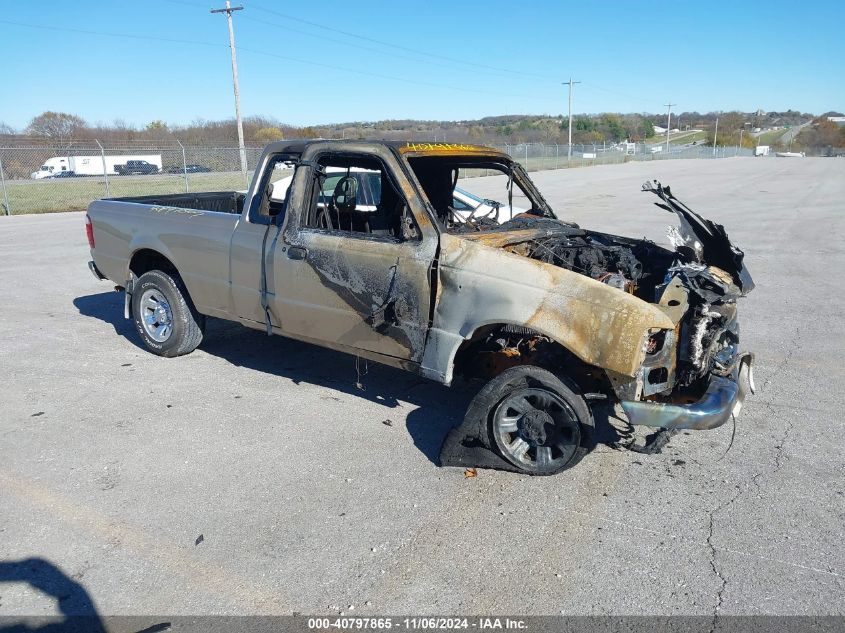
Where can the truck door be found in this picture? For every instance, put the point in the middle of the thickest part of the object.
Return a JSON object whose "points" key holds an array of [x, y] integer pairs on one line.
{"points": [[256, 237], [352, 271]]}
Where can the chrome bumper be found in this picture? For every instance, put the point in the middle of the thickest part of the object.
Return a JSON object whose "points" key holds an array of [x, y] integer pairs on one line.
{"points": [[723, 398]]}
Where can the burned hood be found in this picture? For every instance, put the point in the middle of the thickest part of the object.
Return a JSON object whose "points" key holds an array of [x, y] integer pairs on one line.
{"points": [[523, 228], [703, 254], [702, 241], [622, 262]]}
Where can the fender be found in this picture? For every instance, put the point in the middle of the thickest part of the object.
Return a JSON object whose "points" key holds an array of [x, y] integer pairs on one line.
{"points": [[148, 243], [480, 285], [137, 245]]}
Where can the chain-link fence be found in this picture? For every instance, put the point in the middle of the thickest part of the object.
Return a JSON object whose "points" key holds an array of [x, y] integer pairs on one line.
{"points": [[538, 156], [39, 179], [43, 179]]}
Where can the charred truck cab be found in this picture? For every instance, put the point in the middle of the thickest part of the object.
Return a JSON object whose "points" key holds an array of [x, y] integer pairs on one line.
{"points": [[362, 247]]}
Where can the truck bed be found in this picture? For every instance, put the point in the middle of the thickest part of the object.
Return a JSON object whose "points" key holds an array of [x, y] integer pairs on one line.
{"points": [[219, 201]]}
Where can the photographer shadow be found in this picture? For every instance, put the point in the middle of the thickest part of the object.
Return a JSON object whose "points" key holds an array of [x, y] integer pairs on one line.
{"points": [[73, 602]]}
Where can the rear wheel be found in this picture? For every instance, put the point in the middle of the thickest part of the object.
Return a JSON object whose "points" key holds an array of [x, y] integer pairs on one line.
{"points": [[538, 423], [164, 316]]}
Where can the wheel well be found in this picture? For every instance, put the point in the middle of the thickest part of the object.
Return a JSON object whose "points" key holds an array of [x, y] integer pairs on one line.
{"points": [[147, 259], [496, 347]]}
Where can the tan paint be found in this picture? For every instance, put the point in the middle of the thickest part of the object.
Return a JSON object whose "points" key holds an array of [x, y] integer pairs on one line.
{"points": [[481, 285], [328, 297]]}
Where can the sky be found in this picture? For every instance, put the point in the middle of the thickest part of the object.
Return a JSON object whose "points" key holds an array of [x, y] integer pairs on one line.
{"points": [[306, 63]]}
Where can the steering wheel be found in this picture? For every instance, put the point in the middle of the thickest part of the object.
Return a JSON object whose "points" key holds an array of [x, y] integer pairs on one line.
{"points": [[475, 222]]}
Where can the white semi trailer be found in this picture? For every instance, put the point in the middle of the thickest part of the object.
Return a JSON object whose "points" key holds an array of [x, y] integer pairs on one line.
{"points": [[90, 165]]}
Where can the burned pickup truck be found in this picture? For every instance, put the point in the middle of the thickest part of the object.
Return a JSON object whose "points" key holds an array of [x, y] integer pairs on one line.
{"points": [[359, 247]]}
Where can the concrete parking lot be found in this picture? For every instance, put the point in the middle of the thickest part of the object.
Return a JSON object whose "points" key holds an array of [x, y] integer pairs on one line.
{"points": [[252, 476]]}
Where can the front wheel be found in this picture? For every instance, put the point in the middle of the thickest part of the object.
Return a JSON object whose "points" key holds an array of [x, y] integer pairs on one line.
{"points": [[537, 422], [164, 316]]}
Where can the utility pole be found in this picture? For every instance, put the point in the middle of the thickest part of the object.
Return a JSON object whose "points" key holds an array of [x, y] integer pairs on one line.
{"points": [[228, 11], [668, 124], [569, 147], [715, 135]]}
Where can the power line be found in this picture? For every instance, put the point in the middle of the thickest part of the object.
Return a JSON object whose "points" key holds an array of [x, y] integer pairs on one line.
{"points": [[323, 38], [398, 46], [255, 52], [228, 11], [291, 58], [368, 73], [103, 33]]}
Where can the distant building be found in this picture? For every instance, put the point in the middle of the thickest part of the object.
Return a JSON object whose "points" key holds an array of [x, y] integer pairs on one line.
{"points": [[839, 120]]}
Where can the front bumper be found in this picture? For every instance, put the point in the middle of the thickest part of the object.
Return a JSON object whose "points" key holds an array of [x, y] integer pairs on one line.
{"points": [[723, 398]]}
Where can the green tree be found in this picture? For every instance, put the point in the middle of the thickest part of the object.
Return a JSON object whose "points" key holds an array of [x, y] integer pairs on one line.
{"points": [[613, 126]]}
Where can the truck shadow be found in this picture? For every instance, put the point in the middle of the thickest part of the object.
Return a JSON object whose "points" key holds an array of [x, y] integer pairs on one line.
{"points": [[438, 408]]}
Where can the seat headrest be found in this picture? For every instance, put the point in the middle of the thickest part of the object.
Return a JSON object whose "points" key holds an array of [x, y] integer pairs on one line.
{"points": [[345, 196]]}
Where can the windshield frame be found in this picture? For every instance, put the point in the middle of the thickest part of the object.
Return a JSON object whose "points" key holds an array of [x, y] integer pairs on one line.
{"points": [[493, 161]]}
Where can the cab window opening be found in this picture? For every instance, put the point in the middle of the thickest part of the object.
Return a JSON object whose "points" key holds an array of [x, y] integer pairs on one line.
{"points": [[355, 194]]}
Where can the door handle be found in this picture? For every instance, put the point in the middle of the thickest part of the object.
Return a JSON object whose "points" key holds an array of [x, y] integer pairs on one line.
{"points": [[297, 252]]}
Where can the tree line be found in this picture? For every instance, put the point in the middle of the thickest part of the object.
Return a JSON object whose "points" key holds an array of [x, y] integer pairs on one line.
{"points": [[65, 130]]}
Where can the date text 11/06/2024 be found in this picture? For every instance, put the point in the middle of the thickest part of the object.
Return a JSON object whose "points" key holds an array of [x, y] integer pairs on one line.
{"points": [[416, 624]]}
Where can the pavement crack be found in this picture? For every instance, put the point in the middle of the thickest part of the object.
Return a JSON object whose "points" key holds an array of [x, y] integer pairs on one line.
{"points": [[754, 480], [790, 352], [780, 453], [723, 583]]}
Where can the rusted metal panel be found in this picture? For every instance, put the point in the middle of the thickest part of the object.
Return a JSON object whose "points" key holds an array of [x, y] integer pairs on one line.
{"points": [[481, 285], [449, 149]]}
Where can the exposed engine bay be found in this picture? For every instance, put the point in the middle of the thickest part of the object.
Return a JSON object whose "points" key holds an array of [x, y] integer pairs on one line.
{"points": [[692, 377], [697, 284]]}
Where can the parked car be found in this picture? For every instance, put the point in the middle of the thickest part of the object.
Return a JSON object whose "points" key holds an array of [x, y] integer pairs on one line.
{"points": [[64, 174], [190, 169], [362, 253], [136, 167], [468, 205]]}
